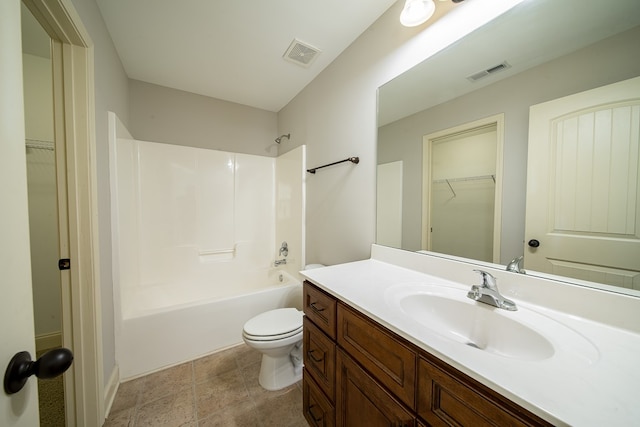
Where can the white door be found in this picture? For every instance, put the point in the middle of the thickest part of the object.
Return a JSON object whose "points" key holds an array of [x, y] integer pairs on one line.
{"points": [[16, 310], [583, 186]]}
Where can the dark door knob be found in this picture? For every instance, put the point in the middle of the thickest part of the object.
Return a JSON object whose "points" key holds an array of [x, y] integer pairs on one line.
{"points": [[49, 365], [534, 243]]}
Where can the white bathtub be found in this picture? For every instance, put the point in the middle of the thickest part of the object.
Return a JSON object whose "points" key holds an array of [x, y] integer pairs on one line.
{"points": [[168, 324]]}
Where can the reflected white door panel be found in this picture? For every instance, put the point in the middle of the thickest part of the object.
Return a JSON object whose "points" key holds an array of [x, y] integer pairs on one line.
{"points": [[583, 191]]}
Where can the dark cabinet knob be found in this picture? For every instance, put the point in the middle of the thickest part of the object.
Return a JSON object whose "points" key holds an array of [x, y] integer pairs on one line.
{"points": [[534, 243], [49, 365]]}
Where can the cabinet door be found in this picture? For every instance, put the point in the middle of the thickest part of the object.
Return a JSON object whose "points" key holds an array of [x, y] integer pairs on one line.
{"points": [[379, 352], [362, 402], [320, 307], [453, 399], [319, 358], [318, 411]]}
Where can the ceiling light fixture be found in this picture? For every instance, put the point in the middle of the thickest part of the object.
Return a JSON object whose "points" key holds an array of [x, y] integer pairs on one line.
{"points": [[416, 12]]}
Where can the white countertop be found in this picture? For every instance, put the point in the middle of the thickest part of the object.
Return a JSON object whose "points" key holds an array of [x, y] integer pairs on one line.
{"points": [[595, 385]]}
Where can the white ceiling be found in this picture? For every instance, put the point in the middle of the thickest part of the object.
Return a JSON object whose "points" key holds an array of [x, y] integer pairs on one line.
{"points": [[233, 50]]}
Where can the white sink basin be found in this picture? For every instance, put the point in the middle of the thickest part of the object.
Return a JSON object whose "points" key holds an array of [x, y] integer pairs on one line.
{"points": [[523, 334]]}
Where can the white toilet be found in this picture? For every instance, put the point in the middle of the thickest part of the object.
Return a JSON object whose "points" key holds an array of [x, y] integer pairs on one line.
{"points": [[278, 335]]}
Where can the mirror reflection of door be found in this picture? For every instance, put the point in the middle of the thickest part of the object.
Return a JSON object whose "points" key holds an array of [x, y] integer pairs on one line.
{"points": [[583, 186], [43, 208], [460, 178]]}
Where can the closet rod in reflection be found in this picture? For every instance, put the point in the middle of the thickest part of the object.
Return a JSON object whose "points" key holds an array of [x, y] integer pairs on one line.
{"points": [[354, 160], [38, 144], [468, 178]]}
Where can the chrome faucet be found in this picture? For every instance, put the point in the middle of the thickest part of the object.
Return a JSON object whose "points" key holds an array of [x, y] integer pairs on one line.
{"points": [[487, 292], [283, 252], [515, 265]]}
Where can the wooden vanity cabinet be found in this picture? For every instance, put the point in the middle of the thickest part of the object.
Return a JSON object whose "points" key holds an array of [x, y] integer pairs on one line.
{"points": [[448, 397], [318, 410], [362, 402], [320, 308], [360, 374], [319, 358], [318, 344], [380, 352]]}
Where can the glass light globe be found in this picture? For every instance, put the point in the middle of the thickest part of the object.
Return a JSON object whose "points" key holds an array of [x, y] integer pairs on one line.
{"points": [[416, 12]]}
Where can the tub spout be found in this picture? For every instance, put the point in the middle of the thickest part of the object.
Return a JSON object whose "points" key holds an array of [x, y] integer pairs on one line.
{"points": [[279, 262]]}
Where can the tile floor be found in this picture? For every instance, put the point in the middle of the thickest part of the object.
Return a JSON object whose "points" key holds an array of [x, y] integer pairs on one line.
{"points": [[217, 390]]}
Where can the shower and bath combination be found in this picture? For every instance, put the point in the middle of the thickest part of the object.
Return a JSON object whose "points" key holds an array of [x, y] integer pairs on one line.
{"points": [[279, 139]]}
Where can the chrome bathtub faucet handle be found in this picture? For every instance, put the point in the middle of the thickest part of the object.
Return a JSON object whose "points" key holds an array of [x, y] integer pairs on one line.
{"points": [[284, 249]]}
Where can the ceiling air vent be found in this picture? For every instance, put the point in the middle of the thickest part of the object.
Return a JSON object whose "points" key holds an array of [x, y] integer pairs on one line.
{"points": [[492, 70], [301, 53]]}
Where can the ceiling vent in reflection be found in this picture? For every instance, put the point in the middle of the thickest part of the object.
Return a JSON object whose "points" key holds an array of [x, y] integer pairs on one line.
{"points": [[301, 53], [491, 70]]}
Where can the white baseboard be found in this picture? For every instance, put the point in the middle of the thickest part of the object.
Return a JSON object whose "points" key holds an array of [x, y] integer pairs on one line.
{"points": [[47, 341], [111, 388]]}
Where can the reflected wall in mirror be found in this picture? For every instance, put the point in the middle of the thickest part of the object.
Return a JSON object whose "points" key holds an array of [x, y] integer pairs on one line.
{"points": [[552, 49]]}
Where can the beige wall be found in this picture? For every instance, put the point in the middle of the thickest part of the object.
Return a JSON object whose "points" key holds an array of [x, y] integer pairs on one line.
{"points": [[111, 94], [162, 114], [402, 140], [38, 97]]}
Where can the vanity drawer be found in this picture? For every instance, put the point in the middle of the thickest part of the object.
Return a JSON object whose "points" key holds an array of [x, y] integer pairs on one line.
{"points": [[320, 307], [362, 402], [317, 409], [319, 358], [447, 397], [380, 352]]}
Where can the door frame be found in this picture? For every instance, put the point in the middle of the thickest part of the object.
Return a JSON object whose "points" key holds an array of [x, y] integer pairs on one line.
{"points": [[427, 143], [74, 115]]}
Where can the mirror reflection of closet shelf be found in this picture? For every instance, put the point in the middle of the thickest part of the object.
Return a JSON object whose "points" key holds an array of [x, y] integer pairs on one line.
{"points": [[466, 178]]}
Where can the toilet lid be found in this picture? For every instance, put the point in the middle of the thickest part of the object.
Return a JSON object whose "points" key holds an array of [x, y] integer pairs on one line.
{"points": [[274, 322], [265, 338]]}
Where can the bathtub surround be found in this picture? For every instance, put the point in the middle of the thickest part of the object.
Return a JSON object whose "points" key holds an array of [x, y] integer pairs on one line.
{"points": [[194, 246]]}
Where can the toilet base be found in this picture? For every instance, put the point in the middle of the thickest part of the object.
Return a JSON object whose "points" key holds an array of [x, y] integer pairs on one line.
{"points": [[279, 372]]}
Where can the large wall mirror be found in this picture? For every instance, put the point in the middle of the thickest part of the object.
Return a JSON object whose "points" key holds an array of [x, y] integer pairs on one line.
{"points": [[537, 52]]}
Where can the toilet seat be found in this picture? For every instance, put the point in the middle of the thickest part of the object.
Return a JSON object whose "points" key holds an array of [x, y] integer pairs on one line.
{"points": [[274, 325]]}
